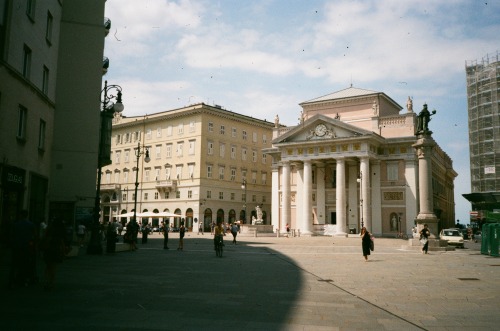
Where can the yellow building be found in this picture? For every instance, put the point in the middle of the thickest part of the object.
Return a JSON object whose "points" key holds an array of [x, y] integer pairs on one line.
{"points": [[351, 162], [200, 157]]}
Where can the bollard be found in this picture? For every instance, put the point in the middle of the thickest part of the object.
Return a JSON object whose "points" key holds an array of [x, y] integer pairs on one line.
{"points": [[255, 233], [277, 233]]}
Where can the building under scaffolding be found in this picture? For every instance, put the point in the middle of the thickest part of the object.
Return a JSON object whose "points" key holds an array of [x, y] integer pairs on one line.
{"points": [[483, 84]]}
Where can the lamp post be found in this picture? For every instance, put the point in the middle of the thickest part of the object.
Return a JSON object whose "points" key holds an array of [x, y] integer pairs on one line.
{"points": [[138, 154], [360, 181], [104, 153], [244, 187]]}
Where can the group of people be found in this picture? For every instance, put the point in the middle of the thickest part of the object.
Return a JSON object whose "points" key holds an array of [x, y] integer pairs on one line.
{"points": [[367, 241], [219, 232], [28, 242]]}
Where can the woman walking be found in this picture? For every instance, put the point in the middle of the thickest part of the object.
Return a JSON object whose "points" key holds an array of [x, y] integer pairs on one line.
{"points": [[54, 249], [182, 230], [366, 241]]}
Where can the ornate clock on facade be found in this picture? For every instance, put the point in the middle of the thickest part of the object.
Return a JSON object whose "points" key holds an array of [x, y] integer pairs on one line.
{"points": [[320, 130]]}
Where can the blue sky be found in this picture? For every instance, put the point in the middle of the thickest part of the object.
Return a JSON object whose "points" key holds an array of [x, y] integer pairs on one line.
{"points": [[263, 57]]}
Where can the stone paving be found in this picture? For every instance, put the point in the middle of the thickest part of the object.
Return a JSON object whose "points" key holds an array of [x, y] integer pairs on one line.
{"points": [[263, 283]]}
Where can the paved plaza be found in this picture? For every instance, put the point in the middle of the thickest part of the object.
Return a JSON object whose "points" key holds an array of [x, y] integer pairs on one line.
{"points": [[263, 283]]}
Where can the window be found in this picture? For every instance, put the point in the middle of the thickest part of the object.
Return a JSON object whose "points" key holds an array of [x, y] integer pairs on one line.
{"points": [[222, 129], [210, 148], [48, 28], [127, 156], [190, 194], [263, 199], [191, 170], [263, 178], [192, 147], [117, 177], [180, 128], [244, 135], [146, 174], [157, 173], [209, 194], [178, 194], [210, 127], [133, 196], [117, 157], [168, 152], [118, 139], [209, 171], [124, 197], [127, 137], [167, 195], [254, 156], [178, 171], [221, 195], [45, 80], [169, 130], [264, 139], [221, 172], [254, 177], [108, 177], [243, 174], [244, 154], [233, 152], [41, 135], [233, 196], [145, 196], [156, 195], [137, 135], [233, 174], [125, 177], [180, 146], [167, 173], [254, 198], [191, 126], [21, 122], [158, 151], [26, 62], [233, 132], [222, 150], [264, 158], [392, 171], [158, 133], [30, 9], [148, 134], [254, 137]]}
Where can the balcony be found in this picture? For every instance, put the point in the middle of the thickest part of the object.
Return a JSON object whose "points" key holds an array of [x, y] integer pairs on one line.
{"points": [[105, 65], [166, 185], [107, 26], [110, 187]]}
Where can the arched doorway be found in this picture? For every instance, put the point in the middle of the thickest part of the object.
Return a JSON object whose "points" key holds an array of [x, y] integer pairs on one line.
{"points": [[189, 219], [264, 217], [220, 216], [232, 216], [207, 219], [242, 216], [155, 223], [177, 220]]}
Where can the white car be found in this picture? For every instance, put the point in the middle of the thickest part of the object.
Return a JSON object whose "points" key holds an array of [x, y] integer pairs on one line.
{"points": [[453, 237]]}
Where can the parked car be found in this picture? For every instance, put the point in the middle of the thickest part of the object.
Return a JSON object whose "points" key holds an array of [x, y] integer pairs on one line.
{"points": [[453, 237]]}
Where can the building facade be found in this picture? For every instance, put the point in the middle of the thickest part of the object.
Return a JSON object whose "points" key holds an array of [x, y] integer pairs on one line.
{"points": [[483, 100], [51, 67], [200, 156], [350, 162]]}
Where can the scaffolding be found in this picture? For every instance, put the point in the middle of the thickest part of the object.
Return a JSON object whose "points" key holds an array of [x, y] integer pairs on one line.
{"points": [[483, 84]]}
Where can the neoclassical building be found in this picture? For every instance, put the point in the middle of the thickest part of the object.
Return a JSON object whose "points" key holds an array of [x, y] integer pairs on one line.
{"points": [[351, 161]]}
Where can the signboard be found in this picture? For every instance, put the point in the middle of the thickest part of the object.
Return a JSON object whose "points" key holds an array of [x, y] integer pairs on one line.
{"points": [[489, 170]]}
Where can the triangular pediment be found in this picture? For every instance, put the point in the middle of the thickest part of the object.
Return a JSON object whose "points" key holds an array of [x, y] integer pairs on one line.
{"points": [[320, 128]]}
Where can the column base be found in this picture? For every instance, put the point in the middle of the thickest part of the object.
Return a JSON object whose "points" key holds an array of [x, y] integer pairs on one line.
{"points": [[340, 234], [431, 221]]}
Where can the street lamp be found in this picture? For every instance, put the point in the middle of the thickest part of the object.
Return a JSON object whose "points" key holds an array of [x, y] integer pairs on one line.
{"points": [[138, 153], [244, 187], [360, 181], [104, 156]]}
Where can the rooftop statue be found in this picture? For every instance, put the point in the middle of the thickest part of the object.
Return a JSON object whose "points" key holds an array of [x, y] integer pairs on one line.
{"points": [[423, 119]]}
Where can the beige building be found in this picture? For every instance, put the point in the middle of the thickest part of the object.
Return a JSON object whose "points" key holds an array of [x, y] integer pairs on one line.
{"points": [[200, 156], [51, 67], [351, 162]]}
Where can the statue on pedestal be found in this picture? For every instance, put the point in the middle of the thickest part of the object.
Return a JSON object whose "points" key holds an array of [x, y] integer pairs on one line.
{"points": [[423, 119]]}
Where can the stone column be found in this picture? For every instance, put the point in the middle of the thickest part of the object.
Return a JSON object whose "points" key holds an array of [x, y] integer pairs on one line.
{"points": [[353, 202], [299, 206], [320, 193], [306, 221], [341, 199], [285, 196], [424, 146], [275, 198], [365, 193], [376, 198]]}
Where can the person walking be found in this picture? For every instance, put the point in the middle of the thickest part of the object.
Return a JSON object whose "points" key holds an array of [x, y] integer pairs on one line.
{"points": [[200, 227], [234, 232], [111, 238], [366, 242], [182, 230], [145, 233], [165, 229], [424, 238], [131, 234], [23, 263], [218, 234], [54, 249]]}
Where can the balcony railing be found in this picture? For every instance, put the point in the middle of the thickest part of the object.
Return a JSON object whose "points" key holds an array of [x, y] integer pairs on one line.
{"points": [[107, 25], [166, 185]]}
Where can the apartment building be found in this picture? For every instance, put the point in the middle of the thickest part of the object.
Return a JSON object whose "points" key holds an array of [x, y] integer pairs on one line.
{"points": [[51, 67], [206, 164]]}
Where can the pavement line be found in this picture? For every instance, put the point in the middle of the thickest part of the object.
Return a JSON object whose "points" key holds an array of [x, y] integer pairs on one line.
{"points": [[350, 293]]}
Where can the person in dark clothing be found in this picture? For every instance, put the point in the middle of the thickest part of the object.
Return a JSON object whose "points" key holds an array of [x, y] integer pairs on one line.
{"points": [[366, 242], [234, 232], [424, 238], [111, 238], [54, 249], [145, 233], [182, 230], [23, 246], [165, 229]]}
